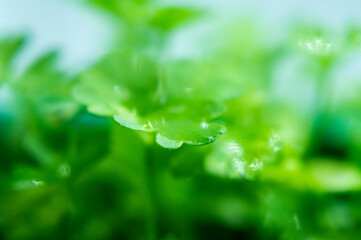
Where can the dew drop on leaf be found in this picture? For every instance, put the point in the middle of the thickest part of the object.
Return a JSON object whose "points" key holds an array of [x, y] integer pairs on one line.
{"points": [[167, 143]]}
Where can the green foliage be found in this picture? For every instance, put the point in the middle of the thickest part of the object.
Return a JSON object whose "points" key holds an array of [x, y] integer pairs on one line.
{"points": [[139, 96], [9, 48], [168, 18], [141, 146]]}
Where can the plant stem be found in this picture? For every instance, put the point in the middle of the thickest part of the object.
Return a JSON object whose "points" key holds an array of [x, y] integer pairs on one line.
{"points": [[150, 177]]}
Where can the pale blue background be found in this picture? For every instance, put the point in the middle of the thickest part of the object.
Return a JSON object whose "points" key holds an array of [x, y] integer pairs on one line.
{"points": [[82, 35]]}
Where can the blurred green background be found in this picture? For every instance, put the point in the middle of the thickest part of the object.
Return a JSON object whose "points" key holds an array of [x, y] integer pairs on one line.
{"points": [[145, 119]]}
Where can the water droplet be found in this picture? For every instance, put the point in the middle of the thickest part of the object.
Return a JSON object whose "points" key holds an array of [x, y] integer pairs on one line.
{"points": [[37, 183], [316, 45], [168, 143], [239, 166], [236, 151], [204, 125], [229, 159], [275, 142], [148, 125], [256, 165], [235, 148]]}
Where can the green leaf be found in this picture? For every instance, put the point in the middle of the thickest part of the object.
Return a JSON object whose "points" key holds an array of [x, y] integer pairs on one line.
{"points": [[173, 132], [8, 49], [43, 80], [130, 120], [168, 18], [204, 80], [192, 132], [231, 159], [119, 7], [45, 63], [353, 38], [132, 90], [48, 89], [111, 5], [333, 176]]}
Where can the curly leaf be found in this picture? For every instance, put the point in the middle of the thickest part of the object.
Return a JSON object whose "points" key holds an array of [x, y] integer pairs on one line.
{"points": [[130, 88]]}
